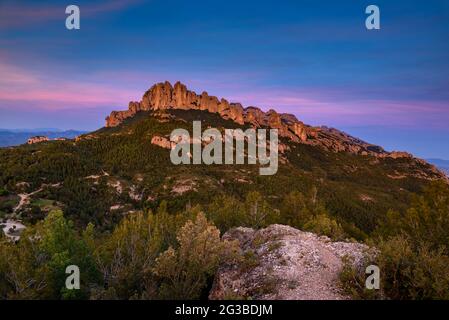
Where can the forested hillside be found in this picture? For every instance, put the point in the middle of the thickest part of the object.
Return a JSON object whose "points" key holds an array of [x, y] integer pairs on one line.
{"points": [[108, 173], [89, 197]]}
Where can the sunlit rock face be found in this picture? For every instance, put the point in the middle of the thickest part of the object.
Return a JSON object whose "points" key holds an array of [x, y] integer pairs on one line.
{"points": [[164, 96]]}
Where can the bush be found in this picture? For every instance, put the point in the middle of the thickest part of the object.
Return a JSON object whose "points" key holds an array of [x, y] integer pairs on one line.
{"points": [[405, 273], [3, 192], [353, 279], [413, 249], [184, 270], [226, 212], [410, 273], [297, 209], [34, 268], [258, 213], [324, 225], [127, 256], [425, 221]]}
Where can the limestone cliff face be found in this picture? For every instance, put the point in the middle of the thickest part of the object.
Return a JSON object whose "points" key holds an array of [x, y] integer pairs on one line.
{"points": [[164, 96]]}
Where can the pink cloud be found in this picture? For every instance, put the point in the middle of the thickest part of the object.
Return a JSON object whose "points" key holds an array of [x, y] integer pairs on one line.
{"points": [[112, 89], [17, 84], [319, 106]]}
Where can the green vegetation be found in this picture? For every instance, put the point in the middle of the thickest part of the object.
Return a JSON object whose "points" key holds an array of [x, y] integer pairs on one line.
{"points": [[413, 251], [323, 224], [35, 267], [125, 153], [3, 192], [146, 256], [8, 203], [184, 271], [147, 212]]}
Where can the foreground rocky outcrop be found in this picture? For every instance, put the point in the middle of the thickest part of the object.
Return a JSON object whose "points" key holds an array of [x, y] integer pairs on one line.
{"points": [[285, 263]]}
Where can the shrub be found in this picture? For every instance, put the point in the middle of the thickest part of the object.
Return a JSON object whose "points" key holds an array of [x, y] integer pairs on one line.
{"points": [[425, 221], [353, 281], [405, 273], [35, 266], [297, 209], [258, 213], [3, 192], [226, 212], [410, 273], [324, 225], [125, 258], [184, 270]]}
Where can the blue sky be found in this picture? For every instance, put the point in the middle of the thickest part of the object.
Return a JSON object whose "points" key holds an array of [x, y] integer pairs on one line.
{"points": [[311, 58]]}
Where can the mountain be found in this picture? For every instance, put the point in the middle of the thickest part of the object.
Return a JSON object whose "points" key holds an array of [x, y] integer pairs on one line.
{"points": [[441, 164], [113, 202], [164, 96], [126, 166], [15, 137]]}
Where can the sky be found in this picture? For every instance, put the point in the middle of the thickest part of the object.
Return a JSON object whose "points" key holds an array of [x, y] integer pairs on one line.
{"points": [[315, 59]]}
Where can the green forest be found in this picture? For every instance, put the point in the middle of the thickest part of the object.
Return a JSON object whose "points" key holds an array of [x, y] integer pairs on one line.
{"points": [[139, 227]]}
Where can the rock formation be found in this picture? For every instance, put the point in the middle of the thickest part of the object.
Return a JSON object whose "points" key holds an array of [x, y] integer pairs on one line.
{"points": [[37, 139], [163, 96], [286, 264], [161, 142]]}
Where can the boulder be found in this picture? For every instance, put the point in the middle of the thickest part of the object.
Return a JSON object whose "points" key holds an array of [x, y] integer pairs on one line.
{"points": [[161, 142], [284, 263]]}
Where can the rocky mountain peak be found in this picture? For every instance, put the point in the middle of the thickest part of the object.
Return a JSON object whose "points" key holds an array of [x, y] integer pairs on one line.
{"points": [[163, 96]]}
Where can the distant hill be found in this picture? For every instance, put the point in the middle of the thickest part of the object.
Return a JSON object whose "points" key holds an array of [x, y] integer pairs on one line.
{"points": [[441, 164], [15, 137]]}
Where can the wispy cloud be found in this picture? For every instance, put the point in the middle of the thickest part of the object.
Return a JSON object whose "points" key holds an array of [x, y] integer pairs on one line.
{"points": [[330, 106], [17, 84], [47, 87], [14, 15]]}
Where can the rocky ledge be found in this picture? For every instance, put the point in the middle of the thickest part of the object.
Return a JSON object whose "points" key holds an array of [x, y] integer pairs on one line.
{"points": [[285, 263]]}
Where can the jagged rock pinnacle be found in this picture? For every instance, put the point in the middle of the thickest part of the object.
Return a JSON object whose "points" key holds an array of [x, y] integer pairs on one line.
{"points": [[162, 96]]}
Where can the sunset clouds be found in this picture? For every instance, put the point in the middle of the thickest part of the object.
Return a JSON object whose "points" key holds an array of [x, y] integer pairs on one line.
{"points": [[317, 62]]}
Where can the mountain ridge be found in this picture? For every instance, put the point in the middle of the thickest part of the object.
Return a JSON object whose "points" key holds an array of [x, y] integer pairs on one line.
{"points": [[114, 171], [163, 96]]}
